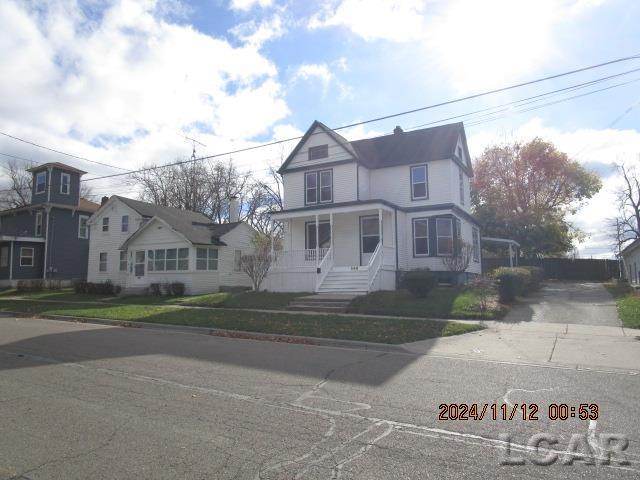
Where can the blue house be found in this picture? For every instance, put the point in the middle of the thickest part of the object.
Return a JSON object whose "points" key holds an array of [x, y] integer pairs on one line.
{"points": [[49, 238]]}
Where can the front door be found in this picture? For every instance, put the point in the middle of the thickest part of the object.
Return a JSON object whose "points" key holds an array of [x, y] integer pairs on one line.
{"points": [[139, 266], [369, 237]]}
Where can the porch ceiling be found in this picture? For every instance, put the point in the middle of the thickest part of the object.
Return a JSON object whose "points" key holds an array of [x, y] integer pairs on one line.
{"points": [[333, 208]]}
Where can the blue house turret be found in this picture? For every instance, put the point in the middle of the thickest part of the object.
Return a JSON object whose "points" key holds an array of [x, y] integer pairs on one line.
{"points": [[56, 183]]}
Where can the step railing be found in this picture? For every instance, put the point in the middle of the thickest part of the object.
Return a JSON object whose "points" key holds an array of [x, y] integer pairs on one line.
{"points": [[375, 262], [324, 268]]}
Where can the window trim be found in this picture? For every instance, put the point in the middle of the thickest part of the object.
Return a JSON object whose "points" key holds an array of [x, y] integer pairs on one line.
{"points": [[105, 262], [64, 175], [123, 260], [362, 235], [237, 260], [123, 224], [318, 188], [413, 236], [461, 185], [31, 257], [317, 148], [426, 181], [86, 227], [450, 220], [44, 184], [306, 233], [105, 223], [39, 224]]}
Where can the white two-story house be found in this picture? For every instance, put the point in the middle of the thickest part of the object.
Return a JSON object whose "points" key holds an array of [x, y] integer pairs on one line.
{"points": [[358, 214]]}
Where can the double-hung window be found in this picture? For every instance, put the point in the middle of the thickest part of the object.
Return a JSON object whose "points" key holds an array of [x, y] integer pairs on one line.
{"points": [[125, 223], [65, 183], [237, 260], [38, 224], [26, 257], [105, 224], [420, 237], [83, 228], [419, 179], [318, 187], [102, 262], [123, 261], [444, 236], [206, 259], [476, 244], [41, 182]]}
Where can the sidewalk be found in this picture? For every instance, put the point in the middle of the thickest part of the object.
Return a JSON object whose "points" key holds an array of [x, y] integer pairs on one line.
{"points": [[543, 343]]}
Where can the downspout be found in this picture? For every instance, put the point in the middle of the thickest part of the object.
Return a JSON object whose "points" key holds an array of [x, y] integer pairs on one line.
{"points": [[46, 243], [395, 219]]}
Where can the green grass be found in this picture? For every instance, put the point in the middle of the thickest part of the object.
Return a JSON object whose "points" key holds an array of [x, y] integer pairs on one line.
{"points": [[441, 302], [247, 299], [628, 302], [371, 329]]}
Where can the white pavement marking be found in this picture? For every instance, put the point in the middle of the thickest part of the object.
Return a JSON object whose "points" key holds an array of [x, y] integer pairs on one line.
{"points": [[511, 390]]}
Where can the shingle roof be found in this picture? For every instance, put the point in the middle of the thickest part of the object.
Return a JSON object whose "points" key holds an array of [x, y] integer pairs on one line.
{"points": [[61, 166], [404, 148], [196, 227], [87, 205]]}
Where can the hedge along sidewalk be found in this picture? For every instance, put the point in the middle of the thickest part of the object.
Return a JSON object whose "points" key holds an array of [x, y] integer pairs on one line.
{"points": [[360, 328]]}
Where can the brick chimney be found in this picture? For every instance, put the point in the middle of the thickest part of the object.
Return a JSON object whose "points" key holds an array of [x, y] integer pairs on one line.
{"points": [[104, 200], [234, 209], [397, 130]]}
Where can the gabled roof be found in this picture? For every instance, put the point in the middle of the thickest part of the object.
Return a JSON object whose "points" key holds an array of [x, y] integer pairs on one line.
{"points": [[193, 226], [87, 205], [631, 246], [59, 165], [401, 148], [339, 139]]}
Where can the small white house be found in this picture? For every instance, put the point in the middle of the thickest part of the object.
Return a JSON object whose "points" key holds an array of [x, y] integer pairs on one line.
{"points": [[631, 262], [134, 244], [358, 214]]}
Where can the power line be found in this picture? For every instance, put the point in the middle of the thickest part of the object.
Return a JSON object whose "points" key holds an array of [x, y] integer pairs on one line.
{"points": [[61, 152]]}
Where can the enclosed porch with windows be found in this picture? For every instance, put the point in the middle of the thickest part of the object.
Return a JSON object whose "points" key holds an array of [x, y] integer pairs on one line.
{"points": [[336, 249]]}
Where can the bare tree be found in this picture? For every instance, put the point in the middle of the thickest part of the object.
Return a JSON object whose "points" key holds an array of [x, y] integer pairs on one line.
{"points": [[257, 264], [18, 192], [459, 261], [628, 196]]}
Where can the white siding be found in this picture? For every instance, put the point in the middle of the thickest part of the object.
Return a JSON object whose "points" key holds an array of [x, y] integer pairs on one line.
{"points": [[364, 175], [632, 265], [110, 241], [237, 239], [344, 185], [394, 184], [319, 137]]}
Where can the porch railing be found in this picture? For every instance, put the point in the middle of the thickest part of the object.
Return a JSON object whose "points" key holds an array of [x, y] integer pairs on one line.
{"points": [[375, 262], [324, 267], [298, 258]]}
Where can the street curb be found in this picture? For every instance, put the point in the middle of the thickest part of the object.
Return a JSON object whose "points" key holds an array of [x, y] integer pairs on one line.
{"points": [[222, 333]]}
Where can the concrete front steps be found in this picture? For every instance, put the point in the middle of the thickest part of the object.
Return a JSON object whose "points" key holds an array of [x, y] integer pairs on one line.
{"points": [[322, 302], [345, 281]]}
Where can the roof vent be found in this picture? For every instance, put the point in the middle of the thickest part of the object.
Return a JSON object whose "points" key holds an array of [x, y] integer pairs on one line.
{"points": [[398, 130]]}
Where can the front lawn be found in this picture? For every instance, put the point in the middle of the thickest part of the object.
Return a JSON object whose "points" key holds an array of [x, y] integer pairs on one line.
{"points": [[442, 302], [628, 302], [245, 299], [371, 329]]}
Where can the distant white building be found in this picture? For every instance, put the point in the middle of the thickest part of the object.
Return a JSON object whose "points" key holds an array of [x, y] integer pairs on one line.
{"points": [[631, 262], [134, 244], [358, 213]]}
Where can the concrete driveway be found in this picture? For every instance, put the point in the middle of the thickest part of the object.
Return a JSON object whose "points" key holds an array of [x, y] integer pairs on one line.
{"points": [[568, 302]]}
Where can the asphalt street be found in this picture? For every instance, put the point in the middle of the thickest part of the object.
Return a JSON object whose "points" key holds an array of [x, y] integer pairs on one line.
{"points": [[80, 401]]}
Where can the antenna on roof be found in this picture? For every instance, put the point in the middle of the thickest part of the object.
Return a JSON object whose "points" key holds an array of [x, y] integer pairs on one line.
{"points": [[193, 141]]}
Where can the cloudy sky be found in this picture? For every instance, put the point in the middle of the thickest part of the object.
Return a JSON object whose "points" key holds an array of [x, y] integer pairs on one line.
{"points": [[119, 82]]}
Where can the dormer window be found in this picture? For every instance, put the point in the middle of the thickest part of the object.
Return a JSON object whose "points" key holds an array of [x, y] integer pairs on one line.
{"points": [[65, 183], [419, 188], [41, 182], [318, 152]]}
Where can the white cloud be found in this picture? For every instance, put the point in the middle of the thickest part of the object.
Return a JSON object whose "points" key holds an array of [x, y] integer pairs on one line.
{"points": [[128, 80], [478, 44], [245, 5], [324, 73], [602, 147], [257, 34]]}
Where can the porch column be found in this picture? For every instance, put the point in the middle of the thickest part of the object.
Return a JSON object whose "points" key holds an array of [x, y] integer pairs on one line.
{"points": [[331, 228], [380, 225], [510, 255], [11, 260], [317, 241]]}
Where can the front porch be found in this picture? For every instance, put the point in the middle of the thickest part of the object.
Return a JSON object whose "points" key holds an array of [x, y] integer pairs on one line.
{"points": [[340, 249]]}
